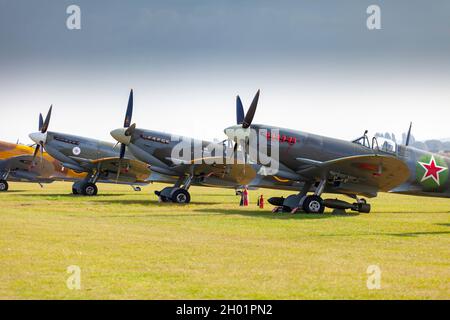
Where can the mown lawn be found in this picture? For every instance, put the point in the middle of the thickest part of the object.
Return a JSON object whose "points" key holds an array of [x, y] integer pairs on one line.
{"points": [[128, 246]]}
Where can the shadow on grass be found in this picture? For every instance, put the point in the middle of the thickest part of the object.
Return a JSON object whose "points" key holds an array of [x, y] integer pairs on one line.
{"points": [[73, 196], [147, 202], [443, 224], [271, 215], [415, 234]]}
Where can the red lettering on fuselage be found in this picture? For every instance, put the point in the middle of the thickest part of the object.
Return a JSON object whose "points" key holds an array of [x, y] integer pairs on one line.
{"points": [[281, 138]]}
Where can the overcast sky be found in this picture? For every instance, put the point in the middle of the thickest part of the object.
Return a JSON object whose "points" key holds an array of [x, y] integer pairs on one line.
{"points": [[318, 67]]}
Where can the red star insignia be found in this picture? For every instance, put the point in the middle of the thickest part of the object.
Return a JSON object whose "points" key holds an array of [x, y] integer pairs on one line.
{"points": [[432, 170]]}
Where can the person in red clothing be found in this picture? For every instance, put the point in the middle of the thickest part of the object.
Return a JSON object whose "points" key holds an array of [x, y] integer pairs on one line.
{"points": [[261, 202], [245, 197]]}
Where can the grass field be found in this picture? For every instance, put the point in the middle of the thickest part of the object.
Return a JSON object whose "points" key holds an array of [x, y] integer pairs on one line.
{"points": [[128, 246]]}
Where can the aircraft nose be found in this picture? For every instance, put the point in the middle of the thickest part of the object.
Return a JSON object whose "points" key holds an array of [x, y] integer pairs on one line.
{"points": [[38, 137], [120, 136]]}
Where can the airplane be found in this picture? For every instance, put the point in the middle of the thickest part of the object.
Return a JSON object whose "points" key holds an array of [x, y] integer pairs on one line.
{"points": [[206, 169], [17, 163], [99, 160], [358, 168]]}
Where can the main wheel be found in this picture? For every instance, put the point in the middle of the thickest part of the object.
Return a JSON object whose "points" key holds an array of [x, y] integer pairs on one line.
{"points": [[89, 189], [313, 204], [3, 186], [181, 196]]}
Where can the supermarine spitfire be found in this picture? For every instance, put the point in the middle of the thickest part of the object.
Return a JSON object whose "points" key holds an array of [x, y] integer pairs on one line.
{"points": [[206, 167], [356, 168], [99, 160], [17, 163], [307, 163]]}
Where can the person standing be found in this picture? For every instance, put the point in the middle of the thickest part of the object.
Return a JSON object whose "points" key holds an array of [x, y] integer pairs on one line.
{"points": [[245, 196]]}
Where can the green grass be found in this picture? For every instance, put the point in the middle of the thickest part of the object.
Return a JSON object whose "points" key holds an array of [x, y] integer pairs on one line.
{"points": [[128, 246]]}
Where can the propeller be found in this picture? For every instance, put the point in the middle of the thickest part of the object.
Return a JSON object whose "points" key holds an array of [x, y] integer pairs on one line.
{"points": [[128, 132], [244, 121], [126, 124], [40, 137], [409, 134]]}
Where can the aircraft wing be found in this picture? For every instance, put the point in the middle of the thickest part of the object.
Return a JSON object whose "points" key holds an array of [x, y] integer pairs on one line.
{"points": [[22, 167], [217, 167], [380, 171], [130, 171]]}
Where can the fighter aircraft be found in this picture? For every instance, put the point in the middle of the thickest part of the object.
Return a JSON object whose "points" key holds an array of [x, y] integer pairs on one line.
{"points": [[99, 160], [361, 167], [207, 168], [17, 163]]}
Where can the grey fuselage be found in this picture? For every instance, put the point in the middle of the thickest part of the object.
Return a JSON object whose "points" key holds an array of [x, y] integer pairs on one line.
{"points": [[64, 147]]}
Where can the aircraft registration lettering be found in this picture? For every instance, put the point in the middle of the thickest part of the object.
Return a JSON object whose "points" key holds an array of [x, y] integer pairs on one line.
{"points": [[281, 138]]}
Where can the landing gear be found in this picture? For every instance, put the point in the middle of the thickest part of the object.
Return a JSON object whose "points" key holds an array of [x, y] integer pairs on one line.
{"points": [[3, 186], [313, 204], [174, 194], [178, 193], [85, 188], [181, 196], [89, 189]]}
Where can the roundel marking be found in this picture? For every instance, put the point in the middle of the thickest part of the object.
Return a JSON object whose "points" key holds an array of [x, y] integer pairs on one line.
{"points": [[76, 151]]}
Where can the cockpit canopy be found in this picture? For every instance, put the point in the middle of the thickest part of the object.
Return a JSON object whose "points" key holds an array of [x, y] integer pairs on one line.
{"points": [[377, 143]]}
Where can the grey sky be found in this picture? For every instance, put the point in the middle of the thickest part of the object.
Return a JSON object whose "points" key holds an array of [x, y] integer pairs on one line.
{"points": [[318, 66]]}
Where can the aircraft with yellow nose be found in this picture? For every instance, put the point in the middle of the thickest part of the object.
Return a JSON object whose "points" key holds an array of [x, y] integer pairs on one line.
{"points": [[17, 163]]}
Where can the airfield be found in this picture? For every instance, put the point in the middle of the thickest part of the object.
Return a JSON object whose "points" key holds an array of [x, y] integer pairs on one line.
{"points": [[129, 246]]}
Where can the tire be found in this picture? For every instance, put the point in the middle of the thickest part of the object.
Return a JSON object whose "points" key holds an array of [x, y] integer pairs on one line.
{"points": [[3, 186], [181, 196], [74, 190], [89, 189], [313, 204]]}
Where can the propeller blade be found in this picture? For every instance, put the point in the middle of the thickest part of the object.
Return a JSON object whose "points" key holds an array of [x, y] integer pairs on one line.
{"points": [[47, 120], [42, 156], [41, 121], [409, 134], [239, 111], [36, 150], [122, 150], [129, 113], [251, 112]]}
